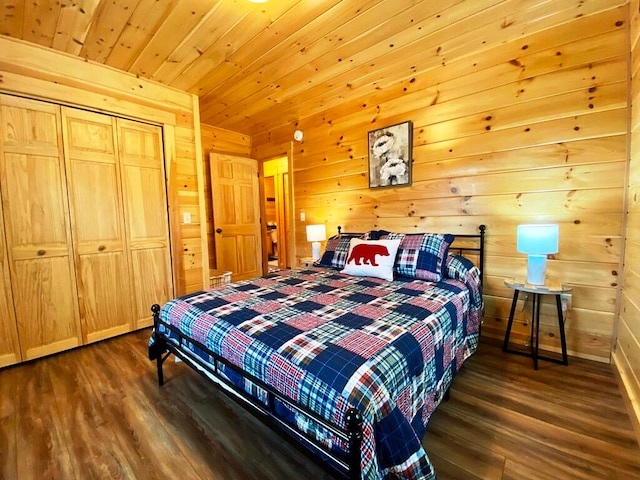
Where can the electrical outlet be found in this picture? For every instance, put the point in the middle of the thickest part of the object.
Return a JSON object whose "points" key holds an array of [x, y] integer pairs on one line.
{"points": [[565, 298]]}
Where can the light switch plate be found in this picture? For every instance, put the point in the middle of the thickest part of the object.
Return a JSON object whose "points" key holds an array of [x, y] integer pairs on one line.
{"points": [[186, 217]]}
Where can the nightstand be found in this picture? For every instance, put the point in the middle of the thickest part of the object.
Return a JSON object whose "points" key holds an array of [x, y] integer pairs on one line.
{"points": [[306, 261], [550, 288]]}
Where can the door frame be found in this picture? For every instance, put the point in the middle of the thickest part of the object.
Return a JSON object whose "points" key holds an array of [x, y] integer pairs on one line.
{"points": [[290, 236]]}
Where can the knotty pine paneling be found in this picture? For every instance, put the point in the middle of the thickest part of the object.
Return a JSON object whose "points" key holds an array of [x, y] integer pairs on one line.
{"points": [[626, 354], [507, 130], [41, 73], [218, 140]]}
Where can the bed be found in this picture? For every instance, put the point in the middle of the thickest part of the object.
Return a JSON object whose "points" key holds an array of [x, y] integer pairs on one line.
{"points": [[348, 363]]}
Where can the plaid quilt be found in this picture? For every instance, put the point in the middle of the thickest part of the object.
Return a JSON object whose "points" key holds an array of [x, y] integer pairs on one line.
{"points": [[329, 341]]}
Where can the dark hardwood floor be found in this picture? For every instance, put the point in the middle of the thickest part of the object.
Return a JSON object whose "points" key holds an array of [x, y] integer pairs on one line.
{"points": [[97, 412]]}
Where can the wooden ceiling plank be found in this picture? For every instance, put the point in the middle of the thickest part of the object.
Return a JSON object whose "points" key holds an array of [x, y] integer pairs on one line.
{"points": [[182, 20], [110, 19], [407, 59], [366, 50], [147, 18], [245, 33], [379, 71], [73, 25], [11, 18], [380, 41], [258, 66], [40, 19], [209, 31], [303, 63], [295, 44], [305, 18], [463, 75]]}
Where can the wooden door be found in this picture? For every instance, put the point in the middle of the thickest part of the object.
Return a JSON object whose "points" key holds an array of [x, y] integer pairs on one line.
{"points": [[36, 214], [97, 219], [236, 215], [146, 216], [9, 346]]}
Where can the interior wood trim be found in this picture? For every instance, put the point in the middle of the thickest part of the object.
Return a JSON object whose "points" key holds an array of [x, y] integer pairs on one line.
{"points": [[624, 384], [201, 196]]}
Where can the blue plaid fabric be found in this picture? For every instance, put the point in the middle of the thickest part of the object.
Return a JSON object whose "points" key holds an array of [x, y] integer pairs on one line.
{"points": [[335, 252], [421, 255], [330, 341]]}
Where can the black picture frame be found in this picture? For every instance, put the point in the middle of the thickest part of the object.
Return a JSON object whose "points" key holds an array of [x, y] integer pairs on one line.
{"points": [[390, 155]]}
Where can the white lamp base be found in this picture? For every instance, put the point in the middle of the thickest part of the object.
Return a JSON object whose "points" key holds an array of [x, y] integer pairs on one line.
{"points": [[315, 251], [536, 268]]}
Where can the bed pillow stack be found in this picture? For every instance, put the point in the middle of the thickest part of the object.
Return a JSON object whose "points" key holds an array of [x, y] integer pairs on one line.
{"points": [[419, 255]]}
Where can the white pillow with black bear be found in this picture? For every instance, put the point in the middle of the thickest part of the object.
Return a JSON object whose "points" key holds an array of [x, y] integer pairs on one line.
{"points": [[371, 258]]}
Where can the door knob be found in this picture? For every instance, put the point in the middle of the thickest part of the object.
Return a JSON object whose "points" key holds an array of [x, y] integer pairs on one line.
{"points": [[218, 230]]}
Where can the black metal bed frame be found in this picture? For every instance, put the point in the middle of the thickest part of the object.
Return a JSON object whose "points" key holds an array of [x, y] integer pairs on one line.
{"points": [[348, 468]]}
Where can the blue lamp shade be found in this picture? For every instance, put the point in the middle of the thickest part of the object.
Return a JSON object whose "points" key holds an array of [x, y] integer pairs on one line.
{"points": [[315, 235], [537, 240]]}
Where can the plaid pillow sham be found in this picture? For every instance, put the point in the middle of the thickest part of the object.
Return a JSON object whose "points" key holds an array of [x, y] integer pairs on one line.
{"points": [[421, 255], [335, 252]]}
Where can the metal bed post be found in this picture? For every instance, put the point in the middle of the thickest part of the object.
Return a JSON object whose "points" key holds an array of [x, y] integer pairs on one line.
{"points": [[481, 260], [353, 421], [159, 344]]}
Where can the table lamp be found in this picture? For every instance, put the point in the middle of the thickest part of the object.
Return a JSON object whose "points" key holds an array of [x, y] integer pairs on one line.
{"points": [[537, 241], [315, 235]]}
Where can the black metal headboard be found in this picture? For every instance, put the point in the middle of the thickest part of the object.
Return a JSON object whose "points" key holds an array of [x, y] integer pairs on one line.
{"points": [[479, 249]]}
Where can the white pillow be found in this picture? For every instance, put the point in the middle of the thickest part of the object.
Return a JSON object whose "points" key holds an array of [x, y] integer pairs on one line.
{"points": [[371, 258]]}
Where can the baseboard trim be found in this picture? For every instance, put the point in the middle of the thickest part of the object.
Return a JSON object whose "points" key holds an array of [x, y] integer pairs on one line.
{"points": [[625, 384]]}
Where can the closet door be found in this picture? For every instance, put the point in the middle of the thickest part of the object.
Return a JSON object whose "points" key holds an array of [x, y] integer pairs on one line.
{"points": [[104, 288], [9, 346], [36, 214], [146, 215]]}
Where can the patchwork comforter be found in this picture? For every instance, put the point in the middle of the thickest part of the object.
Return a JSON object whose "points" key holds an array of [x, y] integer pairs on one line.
{"points": [[329, 342]]}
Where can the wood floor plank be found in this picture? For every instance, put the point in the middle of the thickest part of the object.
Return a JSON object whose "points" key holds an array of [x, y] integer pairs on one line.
{"points": [[98, 412], [85, 421], [8, 427], [42, 451], [452, 456]]}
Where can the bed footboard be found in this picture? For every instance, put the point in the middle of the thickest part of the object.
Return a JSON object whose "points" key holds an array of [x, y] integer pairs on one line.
{"points": [[160, 349]]}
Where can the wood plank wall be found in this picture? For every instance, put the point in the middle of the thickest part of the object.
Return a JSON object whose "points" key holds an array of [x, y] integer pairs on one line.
{"points": [[41, 73], [527, 130], [218, 140], [627, 350]]}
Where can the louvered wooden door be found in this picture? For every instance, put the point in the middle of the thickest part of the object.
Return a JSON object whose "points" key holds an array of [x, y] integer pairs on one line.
{"points": [[97, 218], [36, 217]]}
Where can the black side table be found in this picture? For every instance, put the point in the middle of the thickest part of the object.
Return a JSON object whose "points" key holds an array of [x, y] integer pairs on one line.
{"points": [[537, 291]]}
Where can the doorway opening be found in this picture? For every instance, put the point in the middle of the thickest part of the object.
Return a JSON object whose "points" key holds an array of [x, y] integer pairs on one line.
{"points": [[277, 208]]}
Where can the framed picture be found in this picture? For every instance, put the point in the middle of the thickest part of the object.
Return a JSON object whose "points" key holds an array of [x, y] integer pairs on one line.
{"points": [[390, 155]]}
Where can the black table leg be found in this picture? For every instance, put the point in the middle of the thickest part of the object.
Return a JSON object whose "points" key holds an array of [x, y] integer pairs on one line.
{"points": [[535, 317], [505, 345], [534, 347], [563, 338]]}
